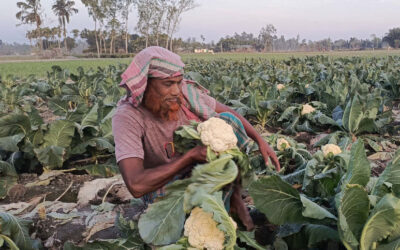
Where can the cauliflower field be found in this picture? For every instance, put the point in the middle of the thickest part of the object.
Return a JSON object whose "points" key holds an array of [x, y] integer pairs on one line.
{"points": [[333, 122]]}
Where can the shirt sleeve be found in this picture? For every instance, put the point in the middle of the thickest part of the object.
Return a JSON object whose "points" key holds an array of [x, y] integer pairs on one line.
{"points": [[128, 135]]}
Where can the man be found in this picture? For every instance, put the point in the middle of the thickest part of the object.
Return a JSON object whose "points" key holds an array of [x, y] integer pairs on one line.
{"points": [[159, 100]]}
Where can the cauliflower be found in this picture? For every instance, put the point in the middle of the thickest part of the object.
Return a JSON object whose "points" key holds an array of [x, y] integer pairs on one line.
{"points": [[307, 109], [202, 231], [280, 86], [217, 134], [307, 85], [331, 148], [282, 144]]}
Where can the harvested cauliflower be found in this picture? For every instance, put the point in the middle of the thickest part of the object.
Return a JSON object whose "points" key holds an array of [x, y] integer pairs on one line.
{"points": [[331, 148], [280, 86], [202, 231], [217, 134], [307, 109], [282, 144]]}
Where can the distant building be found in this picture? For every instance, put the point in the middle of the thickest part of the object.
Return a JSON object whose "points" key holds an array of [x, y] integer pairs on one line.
{"points": [[204, 51]]}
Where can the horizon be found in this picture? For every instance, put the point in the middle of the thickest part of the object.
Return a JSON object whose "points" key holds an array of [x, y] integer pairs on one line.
{"points": [[214, 19]]}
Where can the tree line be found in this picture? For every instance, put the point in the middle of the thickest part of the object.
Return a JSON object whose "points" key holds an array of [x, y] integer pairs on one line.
{"points": [[158, 21], [156, 18]]}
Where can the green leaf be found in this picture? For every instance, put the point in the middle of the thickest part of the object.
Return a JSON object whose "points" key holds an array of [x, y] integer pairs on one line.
{"points": [[359, 169], [318, 233], [13, 124], [394, 245], [17, 230], [366, 125], [9, 241], [58, 106], [313, 210], [60, 134], [353, 114], [248, 238], [289, 113], [51, 156], [213, 204], [209, 178], [10, 143], [8, 178], [155, 225], [353, 213], [278, 200], [391, 175], [375, 146], [99, 143], [102, 170], [90, 120], [382, 222]]}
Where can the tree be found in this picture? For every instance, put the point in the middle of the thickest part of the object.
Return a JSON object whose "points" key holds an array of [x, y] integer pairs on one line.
{"points": [[267, 36], [175, 11], [75, 33], [30, 14], [126, 9], [146, 12], [393, 37], [158, 23], [64, 9], [95, 11], [112, 8]]}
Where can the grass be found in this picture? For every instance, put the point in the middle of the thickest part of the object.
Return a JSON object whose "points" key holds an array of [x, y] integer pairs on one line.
{"points": [[39, 68], [22, 68]]}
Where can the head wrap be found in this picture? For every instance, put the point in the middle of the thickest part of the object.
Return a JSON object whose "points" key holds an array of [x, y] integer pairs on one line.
{"points": [[151, 62]]}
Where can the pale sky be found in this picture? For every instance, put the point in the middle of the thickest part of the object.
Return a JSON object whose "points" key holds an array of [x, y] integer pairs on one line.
{"points": [[311, 19]]}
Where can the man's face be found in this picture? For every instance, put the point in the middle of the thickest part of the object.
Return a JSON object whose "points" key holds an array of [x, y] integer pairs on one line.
{"points": [[163, 97]]}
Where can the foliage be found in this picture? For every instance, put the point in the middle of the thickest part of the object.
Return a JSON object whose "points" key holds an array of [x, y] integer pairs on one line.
{"points": [[14, 233], [342, 202]]}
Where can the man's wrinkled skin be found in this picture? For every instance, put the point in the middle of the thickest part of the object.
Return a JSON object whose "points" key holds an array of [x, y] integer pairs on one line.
{"points": [[162, 98]]}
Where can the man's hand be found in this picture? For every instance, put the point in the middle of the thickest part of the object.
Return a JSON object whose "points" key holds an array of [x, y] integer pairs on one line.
{"points": [[198, 154], [268, 152], [239, 208]]}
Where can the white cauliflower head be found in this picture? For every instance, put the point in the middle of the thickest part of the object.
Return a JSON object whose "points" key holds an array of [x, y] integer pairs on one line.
{"points": [[282, 144], [306, 109], [217, 134], [307, 85], [280, 86], [331, 148], [202, 231]]}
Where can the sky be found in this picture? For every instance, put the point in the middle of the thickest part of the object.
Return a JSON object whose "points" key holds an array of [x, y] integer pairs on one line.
{"points": [[311, 19]]}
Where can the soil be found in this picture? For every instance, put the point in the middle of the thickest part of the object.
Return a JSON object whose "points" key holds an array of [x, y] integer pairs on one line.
{"points": [[54, 231]]}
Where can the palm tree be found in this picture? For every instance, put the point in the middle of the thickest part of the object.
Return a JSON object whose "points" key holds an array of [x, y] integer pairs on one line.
{"points": [[30, 14], [64, 9]]}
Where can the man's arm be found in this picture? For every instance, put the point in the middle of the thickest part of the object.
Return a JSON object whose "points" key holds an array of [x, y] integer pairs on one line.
{"points": [[265, 149], [141, 181]]}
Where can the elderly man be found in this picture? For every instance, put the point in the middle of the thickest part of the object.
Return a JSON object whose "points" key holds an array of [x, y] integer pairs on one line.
{"points": [[159, 100]]}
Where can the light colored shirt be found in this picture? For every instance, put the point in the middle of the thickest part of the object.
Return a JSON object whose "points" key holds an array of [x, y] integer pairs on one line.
{"points": [[139, 133]]}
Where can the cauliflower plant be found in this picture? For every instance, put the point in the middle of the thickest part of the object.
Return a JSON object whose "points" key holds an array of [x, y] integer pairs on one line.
{"points": [[282, 144], [307, 109], [202, 231], [217, 134], [331, 148], [280, 86]]}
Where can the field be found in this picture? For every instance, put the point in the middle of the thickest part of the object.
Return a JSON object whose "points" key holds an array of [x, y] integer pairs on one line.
{"points": [[333, 121], [24, 66]]}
